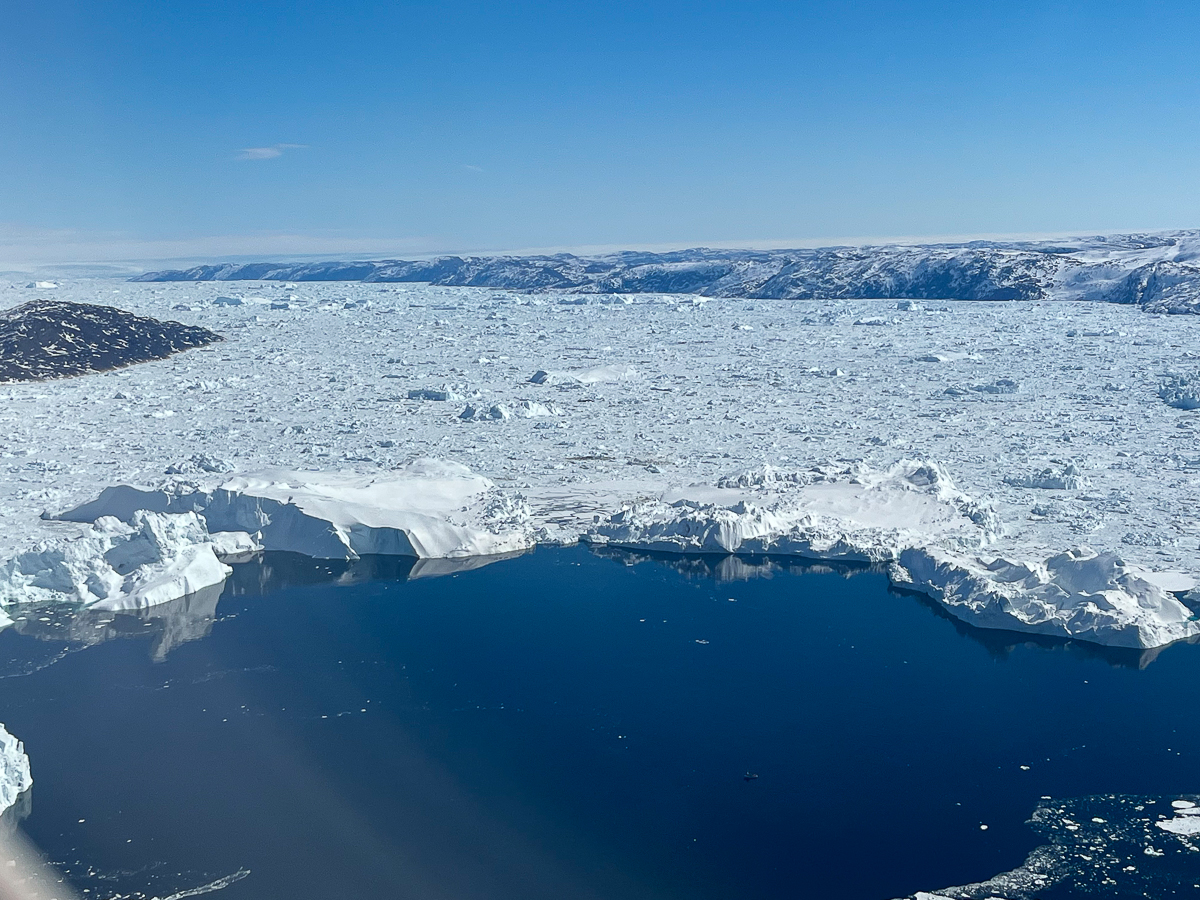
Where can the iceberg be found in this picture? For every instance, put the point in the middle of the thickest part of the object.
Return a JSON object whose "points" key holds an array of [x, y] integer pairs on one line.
{"points": [[15, 777], [852, 513], [152, 558], [1076, 594], [912, 519], [429, 509]]}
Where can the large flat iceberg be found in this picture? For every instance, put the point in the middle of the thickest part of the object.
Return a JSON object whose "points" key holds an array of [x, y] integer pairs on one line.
{"points": [[428, 509], [849, 513]]}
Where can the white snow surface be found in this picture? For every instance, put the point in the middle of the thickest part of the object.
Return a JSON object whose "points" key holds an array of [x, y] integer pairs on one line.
{"points": [[14, 769], [152, 559], [428, 509], [1076, 594], [850, 513], [1043, 422]]}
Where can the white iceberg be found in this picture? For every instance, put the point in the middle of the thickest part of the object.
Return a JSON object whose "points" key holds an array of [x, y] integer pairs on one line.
{"points": [[151, 559], [913, 517], [1077, 594], [595, 375], [427, 509], [851, 513], [15, 777]]}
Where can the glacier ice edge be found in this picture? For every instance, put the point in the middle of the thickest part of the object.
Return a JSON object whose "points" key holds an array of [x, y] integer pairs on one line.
{"points": [[150, 545]]}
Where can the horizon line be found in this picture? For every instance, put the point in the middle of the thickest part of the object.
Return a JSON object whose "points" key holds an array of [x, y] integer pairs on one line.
{"points": [[370, 249]]}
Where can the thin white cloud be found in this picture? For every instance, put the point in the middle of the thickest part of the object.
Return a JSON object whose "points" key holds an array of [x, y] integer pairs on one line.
{"points": [[471, 168], [272, 152]]}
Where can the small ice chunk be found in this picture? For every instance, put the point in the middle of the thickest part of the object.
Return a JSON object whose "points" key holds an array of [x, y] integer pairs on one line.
{"points": [[1181, 825], [228, 544], [1181, 391], [441, 395], [531, 409], [1065, 478]]}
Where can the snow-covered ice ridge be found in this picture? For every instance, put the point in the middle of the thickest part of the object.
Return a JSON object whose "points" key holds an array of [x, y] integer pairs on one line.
{"points": [[1159, 271], [1054, 427]]}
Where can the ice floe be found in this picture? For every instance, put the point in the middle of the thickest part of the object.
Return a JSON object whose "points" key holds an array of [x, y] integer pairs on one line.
{"points": [[1109, 845], [14, 769]]}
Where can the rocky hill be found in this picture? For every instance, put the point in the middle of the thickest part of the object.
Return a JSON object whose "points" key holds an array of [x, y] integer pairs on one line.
{"points": [[1160, 272], [55, 339]]}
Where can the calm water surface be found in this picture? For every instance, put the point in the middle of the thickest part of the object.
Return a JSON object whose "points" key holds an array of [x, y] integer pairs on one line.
{"points": [[565, 725]]}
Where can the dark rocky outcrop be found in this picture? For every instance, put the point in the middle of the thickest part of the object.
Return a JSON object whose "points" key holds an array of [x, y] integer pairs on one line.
{"points": [[56, 339]]}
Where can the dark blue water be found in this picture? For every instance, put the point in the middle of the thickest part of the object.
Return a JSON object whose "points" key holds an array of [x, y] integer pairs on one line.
{"points": [[563, 725]]}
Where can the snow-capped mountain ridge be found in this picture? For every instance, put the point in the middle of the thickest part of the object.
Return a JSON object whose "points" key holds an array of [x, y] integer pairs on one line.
{"points": [[1160, 272]]}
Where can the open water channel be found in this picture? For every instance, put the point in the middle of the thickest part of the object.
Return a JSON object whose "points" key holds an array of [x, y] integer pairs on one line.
{"points": [[572, 725]]}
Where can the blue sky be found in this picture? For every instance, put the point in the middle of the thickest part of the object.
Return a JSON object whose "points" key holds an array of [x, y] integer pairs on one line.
{"points": [[209, 128]]}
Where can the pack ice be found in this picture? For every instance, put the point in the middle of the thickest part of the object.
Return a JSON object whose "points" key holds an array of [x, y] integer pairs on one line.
{"points": [[429, 509], [914, 519], [1075, 422]]}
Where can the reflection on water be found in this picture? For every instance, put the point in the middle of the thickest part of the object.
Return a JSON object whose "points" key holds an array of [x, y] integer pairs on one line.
{"points": [[579, 725], [729, 569], [167, 625], [190, 618], [274, 571]]}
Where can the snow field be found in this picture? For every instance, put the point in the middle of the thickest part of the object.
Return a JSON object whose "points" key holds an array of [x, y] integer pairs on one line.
{"points": [[1047, 415]]}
